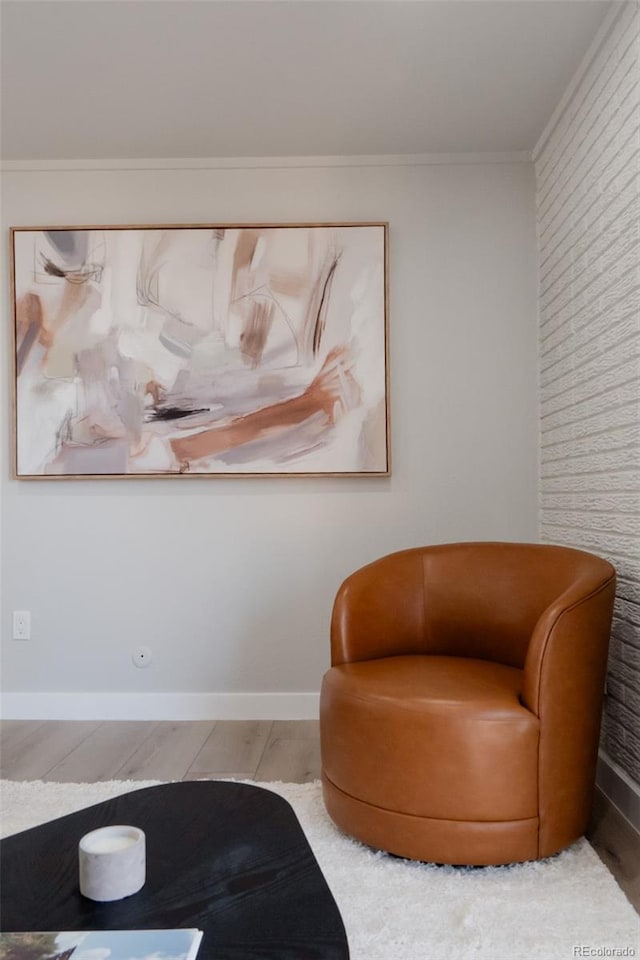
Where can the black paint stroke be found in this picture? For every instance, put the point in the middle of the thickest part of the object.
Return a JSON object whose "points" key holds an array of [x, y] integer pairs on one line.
{"points": [[88, 271], [174, 413], [318, 329]]}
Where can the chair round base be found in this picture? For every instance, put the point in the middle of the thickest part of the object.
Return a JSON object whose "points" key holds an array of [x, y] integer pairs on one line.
{"points": [[453, 842]]}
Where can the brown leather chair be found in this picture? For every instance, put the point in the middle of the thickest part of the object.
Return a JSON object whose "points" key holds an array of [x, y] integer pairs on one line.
{"points": [[460, 718]]}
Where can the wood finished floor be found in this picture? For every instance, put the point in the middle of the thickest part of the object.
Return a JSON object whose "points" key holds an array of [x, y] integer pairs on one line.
{"points": [[90, 751], [263, 750]]}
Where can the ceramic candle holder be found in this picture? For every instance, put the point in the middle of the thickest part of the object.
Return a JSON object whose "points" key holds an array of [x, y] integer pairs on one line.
{"points": [[111, 863]]}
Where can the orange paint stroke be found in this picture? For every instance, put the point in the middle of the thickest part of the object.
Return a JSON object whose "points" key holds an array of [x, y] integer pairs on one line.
{"points": [[29, 326], [332, 392]]}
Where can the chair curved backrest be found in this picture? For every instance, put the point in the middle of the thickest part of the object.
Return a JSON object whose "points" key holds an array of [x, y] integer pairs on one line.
{"points": [[460, 599]]}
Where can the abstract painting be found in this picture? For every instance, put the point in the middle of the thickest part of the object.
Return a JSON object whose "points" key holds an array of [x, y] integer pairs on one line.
{"points": [[200, 350]]}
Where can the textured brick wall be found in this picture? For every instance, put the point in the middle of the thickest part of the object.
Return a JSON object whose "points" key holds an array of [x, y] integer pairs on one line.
{"points": [[588, 208]]}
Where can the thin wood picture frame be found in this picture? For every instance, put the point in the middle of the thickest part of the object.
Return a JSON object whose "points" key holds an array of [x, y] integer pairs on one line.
{"points": [[200, 350]]}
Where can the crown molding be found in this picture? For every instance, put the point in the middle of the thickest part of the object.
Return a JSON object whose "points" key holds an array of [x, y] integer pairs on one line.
{"points": [[268, 163]]}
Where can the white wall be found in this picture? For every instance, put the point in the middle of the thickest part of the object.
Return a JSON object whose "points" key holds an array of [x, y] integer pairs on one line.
{"points": [[230, 582], [588, 199]]}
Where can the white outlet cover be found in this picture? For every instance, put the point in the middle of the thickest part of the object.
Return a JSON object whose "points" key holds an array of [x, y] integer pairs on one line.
{"points": [[21, 625], [141, 657]]}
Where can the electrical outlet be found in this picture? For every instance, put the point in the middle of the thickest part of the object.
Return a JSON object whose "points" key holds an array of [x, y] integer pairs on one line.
{"points": [[21, 625]]}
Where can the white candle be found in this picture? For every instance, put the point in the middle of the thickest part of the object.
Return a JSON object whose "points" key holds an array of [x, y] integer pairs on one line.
{"points": [[109, 844], [112, 862]]}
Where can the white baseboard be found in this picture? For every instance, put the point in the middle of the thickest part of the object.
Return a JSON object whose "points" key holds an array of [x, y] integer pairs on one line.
{"points": [[618, 787], [159, 706]]}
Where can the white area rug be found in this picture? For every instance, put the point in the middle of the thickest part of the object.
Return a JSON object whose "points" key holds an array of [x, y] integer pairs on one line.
{"points": [[400, 910]]}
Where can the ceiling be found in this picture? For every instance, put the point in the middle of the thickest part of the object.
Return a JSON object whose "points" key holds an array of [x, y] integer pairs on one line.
{"points": [[257, 78]]}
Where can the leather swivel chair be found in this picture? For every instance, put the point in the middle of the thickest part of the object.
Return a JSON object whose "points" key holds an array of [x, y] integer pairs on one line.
{"points": [[460, 717]]}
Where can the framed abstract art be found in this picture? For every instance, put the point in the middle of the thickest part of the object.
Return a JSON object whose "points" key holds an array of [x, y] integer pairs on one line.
{"points": [[206, 350]]}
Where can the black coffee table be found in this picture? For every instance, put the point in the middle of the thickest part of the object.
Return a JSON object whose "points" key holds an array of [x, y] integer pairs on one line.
{"points": [[228, 858]]}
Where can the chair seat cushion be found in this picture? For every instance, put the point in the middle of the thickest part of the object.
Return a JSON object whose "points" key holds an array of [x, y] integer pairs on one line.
{"points": [[431, 736]]}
